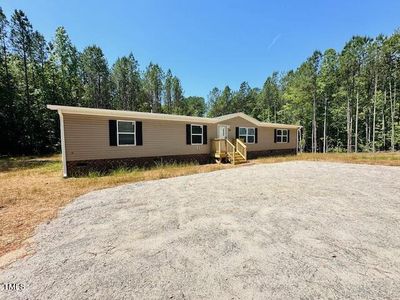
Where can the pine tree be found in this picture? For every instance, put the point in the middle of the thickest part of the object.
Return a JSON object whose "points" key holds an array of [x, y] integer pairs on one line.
{"points": [[126, 82], [153, 85], [65, 59], [168, 104], [95, 78], [177, 97]]}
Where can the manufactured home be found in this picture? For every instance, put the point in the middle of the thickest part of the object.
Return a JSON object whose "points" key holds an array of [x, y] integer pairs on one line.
{"points": [[103, 139]]}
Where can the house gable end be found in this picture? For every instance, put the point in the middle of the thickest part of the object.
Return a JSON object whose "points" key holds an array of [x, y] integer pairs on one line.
{"points": [[222, 119]]}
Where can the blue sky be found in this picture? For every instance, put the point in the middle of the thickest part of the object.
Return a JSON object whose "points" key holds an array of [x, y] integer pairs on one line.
{"points": [[212, 43]]}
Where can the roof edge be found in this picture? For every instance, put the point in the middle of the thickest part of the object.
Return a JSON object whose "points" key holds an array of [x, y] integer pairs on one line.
{"points": [[125, 113], [160, 116]]}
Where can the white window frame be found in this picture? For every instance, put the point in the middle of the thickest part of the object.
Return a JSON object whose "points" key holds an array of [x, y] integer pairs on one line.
{"points": [[283, 134], [130, 133], [192, 134], [247, 134]]}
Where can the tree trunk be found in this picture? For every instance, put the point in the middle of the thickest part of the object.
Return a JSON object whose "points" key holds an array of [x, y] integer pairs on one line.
{"points": [[374, 113], [351, 129], [28, 101], [356, 129], [392, 111], [325, 117], [314, 128], [383, 122], [369, 128], [348, 126], [98, 92], [366, 131], [5, 59], [26, 81], [312, 137], [338, 140]]}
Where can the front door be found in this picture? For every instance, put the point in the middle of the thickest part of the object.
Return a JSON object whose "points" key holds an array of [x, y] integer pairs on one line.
{"points": [[222, 131]]}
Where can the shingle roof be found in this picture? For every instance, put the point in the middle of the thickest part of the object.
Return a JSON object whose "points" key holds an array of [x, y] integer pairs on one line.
{"points": [[158, 116]]}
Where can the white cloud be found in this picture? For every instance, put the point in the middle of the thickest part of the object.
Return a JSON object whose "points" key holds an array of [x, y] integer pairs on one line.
{"points": [[273, 42]]}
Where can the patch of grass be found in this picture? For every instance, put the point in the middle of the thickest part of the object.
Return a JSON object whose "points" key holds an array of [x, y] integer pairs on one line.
{"points": [[26, 162], [51, 166], [378, 158], [94, 174], [122, 171]]}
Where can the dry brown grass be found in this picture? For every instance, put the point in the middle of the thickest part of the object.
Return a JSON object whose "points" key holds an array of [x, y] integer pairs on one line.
{"points": [[32, 190], [379, 158]]}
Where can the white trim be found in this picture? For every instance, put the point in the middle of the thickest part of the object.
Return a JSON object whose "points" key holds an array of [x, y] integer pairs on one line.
{"points": [[241, 115], [128, 133], [201, 134], [62, 137], [282, 135], [298, 142], [247, 134], [157, 116]]}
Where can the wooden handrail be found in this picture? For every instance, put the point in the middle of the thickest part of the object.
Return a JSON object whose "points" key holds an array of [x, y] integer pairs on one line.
{"points": [[241, 148], [222, 147], [230, 145]]}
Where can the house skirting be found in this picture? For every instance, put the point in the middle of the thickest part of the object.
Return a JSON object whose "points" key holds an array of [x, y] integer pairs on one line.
{"points": [[256, 154], [83, 167]]}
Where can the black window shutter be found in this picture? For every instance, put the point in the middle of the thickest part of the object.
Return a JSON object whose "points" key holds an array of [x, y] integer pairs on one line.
{"points": [[139, 133], [188, 135], [274, 135], [204, 134], [288, 135], [237, 132], [256, 137], [112, 132]]}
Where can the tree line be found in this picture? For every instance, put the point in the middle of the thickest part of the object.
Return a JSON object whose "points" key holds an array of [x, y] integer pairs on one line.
{"points": [[345, 101], [34, 73]]}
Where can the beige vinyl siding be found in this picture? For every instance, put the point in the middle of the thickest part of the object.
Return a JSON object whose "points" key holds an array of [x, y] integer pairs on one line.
{"points": [[265, 135], [87, 138]]}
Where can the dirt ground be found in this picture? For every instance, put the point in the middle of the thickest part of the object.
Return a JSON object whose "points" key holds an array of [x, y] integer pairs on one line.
{"points": [[310, 230]]}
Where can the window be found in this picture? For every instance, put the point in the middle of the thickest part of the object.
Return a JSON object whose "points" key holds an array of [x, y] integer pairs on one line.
{"points": [[281, 135], [196, 134], [247, 134], [126, 133]]}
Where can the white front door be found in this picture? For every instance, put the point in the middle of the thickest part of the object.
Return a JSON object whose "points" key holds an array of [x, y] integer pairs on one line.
{"points": [[222, 131]]}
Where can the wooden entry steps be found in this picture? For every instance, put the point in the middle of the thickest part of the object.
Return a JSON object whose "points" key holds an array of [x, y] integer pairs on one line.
{"points": [[236, 158], [233, 151]]}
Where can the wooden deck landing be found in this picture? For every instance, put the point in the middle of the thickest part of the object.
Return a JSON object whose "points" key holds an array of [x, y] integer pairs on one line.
{"points": [[232, 151]]}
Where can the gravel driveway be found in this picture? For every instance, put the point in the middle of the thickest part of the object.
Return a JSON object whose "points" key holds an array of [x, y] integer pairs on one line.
{"points": [[288, 230]]}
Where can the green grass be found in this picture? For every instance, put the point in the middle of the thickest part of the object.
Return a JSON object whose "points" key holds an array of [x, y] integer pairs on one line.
{"points": [[29, 162], [124, 171]]}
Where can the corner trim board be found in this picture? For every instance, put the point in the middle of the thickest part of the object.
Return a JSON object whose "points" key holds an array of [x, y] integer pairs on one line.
{"points": [[63, 153]]}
